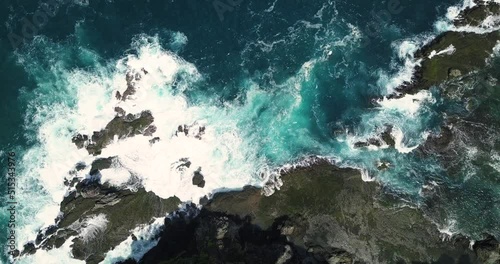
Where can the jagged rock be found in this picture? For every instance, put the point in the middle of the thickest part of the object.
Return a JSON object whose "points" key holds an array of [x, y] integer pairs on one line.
{"points": [[361, 144], [79, 140], [101, 164], [220, 238], [334, 212], [471, 51], [118, 95], [488, 250], [154, 140], [387, 137], [131, 89], [383, 165], [80, 166], [198, 178], [121, 126], [93, 198], [384, 136], [150, 130], [475, 15], [119, 111]]}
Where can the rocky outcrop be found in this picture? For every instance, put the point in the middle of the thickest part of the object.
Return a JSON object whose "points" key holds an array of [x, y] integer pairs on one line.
{"points": [[108, 212], [385, 138], [120, 127], [213, 237], [322, 214], [488, 250], [198, 179], [468, 52], [475, 15]]}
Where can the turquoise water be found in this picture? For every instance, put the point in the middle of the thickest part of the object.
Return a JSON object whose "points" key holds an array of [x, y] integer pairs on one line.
{"points": [[282, 81]]}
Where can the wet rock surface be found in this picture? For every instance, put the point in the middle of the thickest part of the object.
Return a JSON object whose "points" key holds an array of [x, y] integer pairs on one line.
{"points": [[198, 179], [122, 209], [470, 51], [322, 214], [121, 127]]}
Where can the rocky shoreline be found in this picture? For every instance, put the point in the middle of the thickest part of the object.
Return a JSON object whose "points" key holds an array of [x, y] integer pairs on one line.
{"points": [[321, 214], [454, 54]]}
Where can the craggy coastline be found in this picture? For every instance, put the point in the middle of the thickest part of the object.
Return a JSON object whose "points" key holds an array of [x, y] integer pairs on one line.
{"points": [[320, 214]]}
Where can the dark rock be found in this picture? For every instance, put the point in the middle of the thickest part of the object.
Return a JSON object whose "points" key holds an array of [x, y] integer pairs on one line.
{"points": [[471, 51], [127, 261], [220, 238], [93, 198], [119, 111], [154, 140], [198, 179], [29, 248], [118, 95], [384, 165], [475, 15], [488, 250], [150, 131], [121, 126], [101, 164], [387, 137], [361, 144], [80, 140], [184, 163], [333, 210], [374, 142], [80, 166]]}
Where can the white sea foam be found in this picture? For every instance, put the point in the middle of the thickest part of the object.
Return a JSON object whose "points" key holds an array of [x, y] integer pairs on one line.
{"points": [[405, 53], [490, 24], [398, 135], [54, 256], [410, 103], [93, 226], [222, 156], [448, 51]]}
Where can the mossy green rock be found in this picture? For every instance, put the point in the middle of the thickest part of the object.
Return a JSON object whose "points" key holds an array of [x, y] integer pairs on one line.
{"points": [[470, 55], [330, 207], [124, 210], [471, 50]]}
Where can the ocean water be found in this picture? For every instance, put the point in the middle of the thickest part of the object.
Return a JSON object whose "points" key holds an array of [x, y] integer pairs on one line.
{"points": [[274, 84]]}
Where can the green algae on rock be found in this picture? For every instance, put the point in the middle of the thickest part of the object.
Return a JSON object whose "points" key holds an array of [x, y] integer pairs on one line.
{"points": [[331, 207], [462, 52], [122, 210]]}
